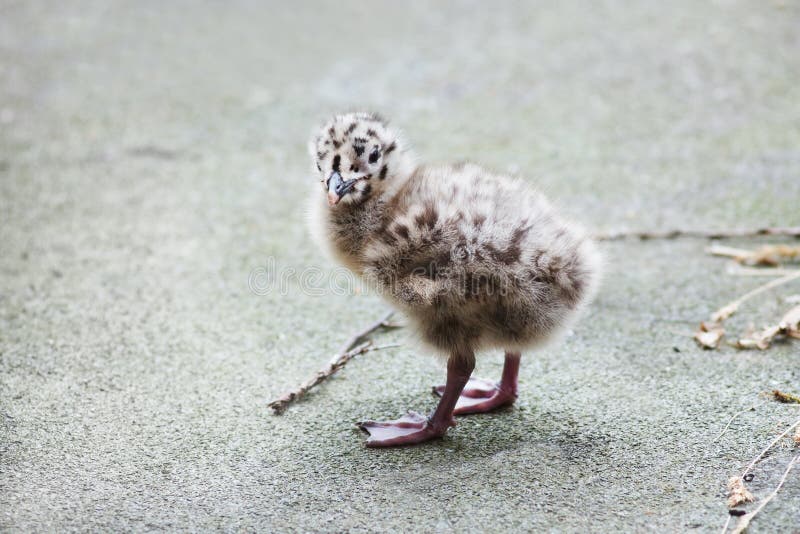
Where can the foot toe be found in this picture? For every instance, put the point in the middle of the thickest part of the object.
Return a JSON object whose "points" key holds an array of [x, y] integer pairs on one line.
{"points": [[410, 429], [476, 387], [472, 405]]}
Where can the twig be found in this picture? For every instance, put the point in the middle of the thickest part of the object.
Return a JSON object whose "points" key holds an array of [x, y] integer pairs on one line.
{"points": [[709, 335], [767, 255], [737, 491], [361, 336], [734, 416], [279, 406], [727, 522], [728, 252], [731, 308], [774, 441], [744, 521], [357, 344], [792, 231]]}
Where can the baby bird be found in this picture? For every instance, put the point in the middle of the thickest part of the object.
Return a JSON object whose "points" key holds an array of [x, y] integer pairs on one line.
{"points": [[476, 260]]}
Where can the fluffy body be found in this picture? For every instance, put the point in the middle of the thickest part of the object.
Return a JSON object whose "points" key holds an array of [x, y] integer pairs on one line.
{"points": [[477, 260]]}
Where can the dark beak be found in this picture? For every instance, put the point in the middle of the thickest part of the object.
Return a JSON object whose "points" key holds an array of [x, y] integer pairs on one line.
{"points": [[337, 188]]}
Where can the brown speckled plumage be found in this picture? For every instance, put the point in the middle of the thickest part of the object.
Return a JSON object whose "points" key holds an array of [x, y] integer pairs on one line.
{"points": [[476, 259]]}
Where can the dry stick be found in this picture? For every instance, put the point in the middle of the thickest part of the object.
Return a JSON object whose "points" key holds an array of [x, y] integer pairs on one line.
{"points": [[765, 256], [728, 252], [774, 441], [734, 416], [730, 308], [744, 521], [737, 414], [362, 336], [792, 231], [725, 526], [357, 344], [710, 334]]}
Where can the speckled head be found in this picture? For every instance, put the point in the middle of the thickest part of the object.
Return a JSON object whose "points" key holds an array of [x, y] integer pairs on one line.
{"points": [[355, 155]]}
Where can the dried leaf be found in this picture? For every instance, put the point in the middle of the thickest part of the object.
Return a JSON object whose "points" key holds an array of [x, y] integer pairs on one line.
{"points": [[788, 398], [729, 252], [791, 321], [725, 312], [737, 492], [758, 340], [789, 325], [709, 335], [772, 255], [768, 255]]}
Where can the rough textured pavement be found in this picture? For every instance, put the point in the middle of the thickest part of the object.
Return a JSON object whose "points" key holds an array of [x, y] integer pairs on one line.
{"points": [[153, 156]]}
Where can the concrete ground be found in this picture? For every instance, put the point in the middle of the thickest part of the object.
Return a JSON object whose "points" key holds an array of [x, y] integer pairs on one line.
{"points": [[152, 157]]}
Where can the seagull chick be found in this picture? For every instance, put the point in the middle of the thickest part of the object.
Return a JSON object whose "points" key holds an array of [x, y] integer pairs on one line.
{"points": [[475, 259]]}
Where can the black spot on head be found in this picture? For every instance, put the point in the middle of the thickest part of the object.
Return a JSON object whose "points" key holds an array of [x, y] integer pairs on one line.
{"points": [[371, 133], [336, 144], [331, 131], [319, 168], [351, 128], [375, 154], [390, 148], [353, 168], [321, 155], [384, 170], [359, 150], [336, 162], [360, 141]]}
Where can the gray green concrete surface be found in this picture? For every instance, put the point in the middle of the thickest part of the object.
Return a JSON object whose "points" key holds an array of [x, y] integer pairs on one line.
{"points": [[152, 157]]}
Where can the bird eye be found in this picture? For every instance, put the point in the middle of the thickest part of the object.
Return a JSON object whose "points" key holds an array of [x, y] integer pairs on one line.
{"points": [[374, 155]]}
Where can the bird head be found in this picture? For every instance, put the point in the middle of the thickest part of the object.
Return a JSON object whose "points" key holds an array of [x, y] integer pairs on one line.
{"points": [[354, 156]]}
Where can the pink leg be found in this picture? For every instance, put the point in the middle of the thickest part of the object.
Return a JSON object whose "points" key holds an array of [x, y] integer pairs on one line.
{"points": [[415, 428], [481, 396]]}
